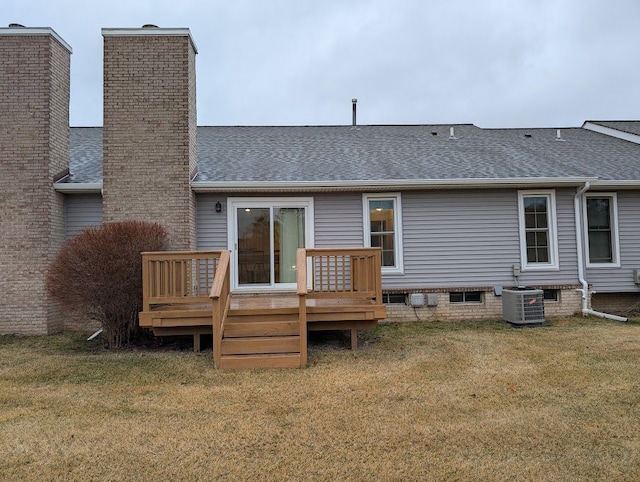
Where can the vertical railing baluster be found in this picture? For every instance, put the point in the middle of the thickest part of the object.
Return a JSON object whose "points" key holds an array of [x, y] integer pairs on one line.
{"points": [[198, 277], [160, 268], [335, 273]]}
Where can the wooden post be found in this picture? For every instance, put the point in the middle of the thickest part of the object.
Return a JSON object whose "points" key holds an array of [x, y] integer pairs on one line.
{"points": [[378, 276], [301, 266], [146, 285]]}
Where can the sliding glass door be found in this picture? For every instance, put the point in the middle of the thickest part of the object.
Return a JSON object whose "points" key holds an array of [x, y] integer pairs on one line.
{"points": [[265, 236], [253, 246]]}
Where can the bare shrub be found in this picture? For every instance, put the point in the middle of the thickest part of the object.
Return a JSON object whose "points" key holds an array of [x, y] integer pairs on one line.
{"points": [[99, 272]]}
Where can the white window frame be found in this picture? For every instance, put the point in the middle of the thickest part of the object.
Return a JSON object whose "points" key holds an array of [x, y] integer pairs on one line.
{"points": [[615, 241], [398, 267], [553, 263]]}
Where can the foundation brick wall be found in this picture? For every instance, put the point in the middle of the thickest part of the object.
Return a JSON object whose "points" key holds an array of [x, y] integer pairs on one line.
{"points": [[624, 304], [569, 303], [149, 134], [34, 151]]}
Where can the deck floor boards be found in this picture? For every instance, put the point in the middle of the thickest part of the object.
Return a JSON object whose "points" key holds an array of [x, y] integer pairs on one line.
{"points": [[270, 302]]}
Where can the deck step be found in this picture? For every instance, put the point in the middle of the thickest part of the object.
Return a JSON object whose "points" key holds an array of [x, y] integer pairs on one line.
{"points": [[277, 360], [236, 329], [257, 314], [257, 345]]}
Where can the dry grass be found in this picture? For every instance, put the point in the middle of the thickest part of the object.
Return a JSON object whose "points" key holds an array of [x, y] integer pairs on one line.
{"points": [[479, 401]]}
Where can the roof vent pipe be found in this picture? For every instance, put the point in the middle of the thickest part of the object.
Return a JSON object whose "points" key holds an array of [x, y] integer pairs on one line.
{"points": [[559, 135], [452, 133], [354, 103]]}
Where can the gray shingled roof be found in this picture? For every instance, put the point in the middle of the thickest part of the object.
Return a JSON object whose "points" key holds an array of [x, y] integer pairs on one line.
{"points": [[418, 152], [85, 145]]}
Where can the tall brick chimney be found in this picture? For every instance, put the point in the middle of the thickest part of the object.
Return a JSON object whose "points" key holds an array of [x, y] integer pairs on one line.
{"points": [[34, 153], [149, 135]]}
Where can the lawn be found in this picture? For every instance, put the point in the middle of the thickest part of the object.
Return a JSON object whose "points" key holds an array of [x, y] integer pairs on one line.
{"points": [[418, 401]]}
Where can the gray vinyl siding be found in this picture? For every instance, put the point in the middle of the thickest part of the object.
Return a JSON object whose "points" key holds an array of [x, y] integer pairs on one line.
{"points": [[613, 280], [81, 211], [338, 220], [211, 227], [471, 238], [567, 253], [451, 239]]}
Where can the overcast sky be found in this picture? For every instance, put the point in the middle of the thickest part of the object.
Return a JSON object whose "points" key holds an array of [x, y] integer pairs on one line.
{"points": [[493, 63]]}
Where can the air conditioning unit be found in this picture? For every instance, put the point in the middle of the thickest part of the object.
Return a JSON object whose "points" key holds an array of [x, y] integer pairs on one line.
{"points": [[523, 306]]}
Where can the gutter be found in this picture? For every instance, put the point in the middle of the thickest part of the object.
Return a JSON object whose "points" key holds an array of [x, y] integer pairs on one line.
{"points": [[78, 187], [384, 184], [613, 184], [579, 243]]}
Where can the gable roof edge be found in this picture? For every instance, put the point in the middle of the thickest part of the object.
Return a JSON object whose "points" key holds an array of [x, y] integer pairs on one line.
{"points": [[610, 131]]}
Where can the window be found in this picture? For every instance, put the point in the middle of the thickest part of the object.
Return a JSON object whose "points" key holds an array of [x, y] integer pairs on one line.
{"points": [[383, 229], [550, 295], [537, 219], [601, 229], [465, 297], [394, 298]]}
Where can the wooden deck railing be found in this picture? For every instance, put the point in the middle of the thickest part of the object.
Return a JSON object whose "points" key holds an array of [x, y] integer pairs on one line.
{"points": [[177, 277], [221, 299], [341, 273], [336, 273]]}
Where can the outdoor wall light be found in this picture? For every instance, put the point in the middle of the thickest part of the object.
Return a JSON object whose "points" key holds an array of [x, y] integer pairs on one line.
{"points": [[218, 207]]}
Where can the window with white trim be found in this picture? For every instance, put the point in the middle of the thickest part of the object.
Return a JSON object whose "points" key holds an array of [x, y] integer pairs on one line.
{"points": [[601, 229], [383, 228], [538, 238]]}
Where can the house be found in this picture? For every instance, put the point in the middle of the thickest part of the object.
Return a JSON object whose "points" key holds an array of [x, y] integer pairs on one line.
{"points": [[459, 211]]}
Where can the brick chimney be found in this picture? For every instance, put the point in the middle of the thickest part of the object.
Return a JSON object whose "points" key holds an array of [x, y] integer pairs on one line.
{"points": [[34, 153], [149, 135]]}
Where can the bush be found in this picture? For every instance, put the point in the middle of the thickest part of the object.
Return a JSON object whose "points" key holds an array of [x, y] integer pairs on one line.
{"points": [[99, 272]]}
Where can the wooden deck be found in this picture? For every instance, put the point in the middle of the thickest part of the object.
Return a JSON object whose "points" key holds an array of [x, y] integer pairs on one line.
{"points": [[337, 290], [325, 314]]}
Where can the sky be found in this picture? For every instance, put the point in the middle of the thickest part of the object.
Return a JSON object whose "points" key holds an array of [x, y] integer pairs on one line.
{"points": [[492, 63]]}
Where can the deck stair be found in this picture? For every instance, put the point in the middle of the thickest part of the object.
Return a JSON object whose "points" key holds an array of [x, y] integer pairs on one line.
{"points": [[257, 338]]}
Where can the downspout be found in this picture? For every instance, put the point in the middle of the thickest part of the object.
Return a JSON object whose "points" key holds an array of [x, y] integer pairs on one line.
{"points": [[579, 243]]}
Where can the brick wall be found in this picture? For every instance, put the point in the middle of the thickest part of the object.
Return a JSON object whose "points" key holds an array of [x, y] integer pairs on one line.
{"points": [[624, 304], [149, 136], [34, 150], [569, 303]]}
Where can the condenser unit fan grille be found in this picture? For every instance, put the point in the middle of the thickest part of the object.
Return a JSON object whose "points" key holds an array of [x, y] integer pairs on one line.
{"points": [[523, 306]]}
